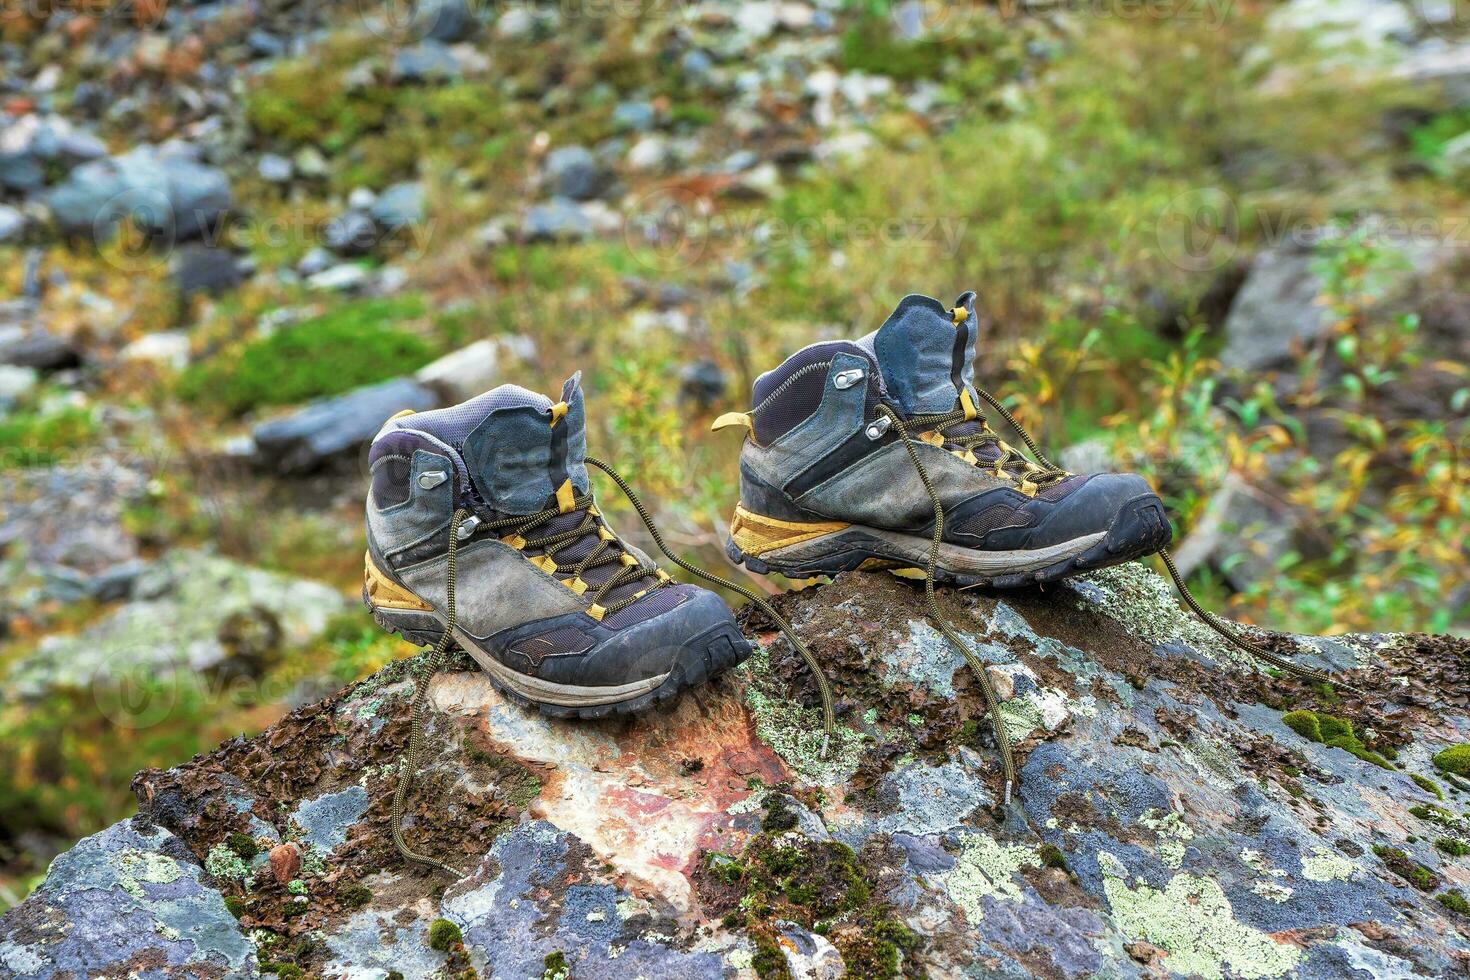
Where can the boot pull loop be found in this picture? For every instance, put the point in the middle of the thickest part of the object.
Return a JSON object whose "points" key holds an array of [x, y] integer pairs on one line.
{"points": [[732, 419], [959, 314]]}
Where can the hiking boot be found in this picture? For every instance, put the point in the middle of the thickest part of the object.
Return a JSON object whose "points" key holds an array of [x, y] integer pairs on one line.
{"points": [[852, 442], [481, 522]]}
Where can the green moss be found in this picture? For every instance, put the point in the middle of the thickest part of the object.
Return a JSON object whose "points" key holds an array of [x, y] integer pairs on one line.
{"points": [[1304, 723], [1454, 901], [243, 845], [1454, 760], [1452, 847], [1406, 867], [355, 896], [871, 45], [1427, 785], [555, 966], [353, 345], [1334, 727], [235, 905], [443, 934], [779, 815], [287, 971], [768, 962], [1052, 856], [1434, 813], [41, 438]]}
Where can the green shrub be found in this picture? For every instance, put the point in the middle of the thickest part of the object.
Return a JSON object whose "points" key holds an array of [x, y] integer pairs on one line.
{"points": [[353, 345], [1452, 847]]}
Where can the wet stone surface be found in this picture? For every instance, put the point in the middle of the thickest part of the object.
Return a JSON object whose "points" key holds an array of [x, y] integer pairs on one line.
{"points": [[1168, 821]]}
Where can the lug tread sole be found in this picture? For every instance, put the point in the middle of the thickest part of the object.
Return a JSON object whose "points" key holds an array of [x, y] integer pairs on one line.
{"points": [[708, 655], [1140, 528]]}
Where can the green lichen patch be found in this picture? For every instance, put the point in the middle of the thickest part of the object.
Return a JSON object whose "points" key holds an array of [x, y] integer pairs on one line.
{"points": [[795, 732], [1454, 760], [136, 868], [1326, 865], [1174, 835], [1193, 921], [987, 868], [225, 864]]}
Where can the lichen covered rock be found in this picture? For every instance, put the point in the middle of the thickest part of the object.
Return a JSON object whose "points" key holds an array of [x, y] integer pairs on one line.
{"points": [[1168, 820]]}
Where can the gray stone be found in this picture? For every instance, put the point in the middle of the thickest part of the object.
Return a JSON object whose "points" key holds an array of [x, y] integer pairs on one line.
{"points": [[443, 20], [559, 219], [1201, 836], [703, 383], [274, 168], [428, 61], [37, 348], [637, 117], [121, 898], [201, 269], [399, 206], [310, 437], [344, 278], [21, 172], [316, 260], [472, 370], [350, 233], [574, 172], [181, 630], [1275, 310], [263, 44], [15, 383], [165, 189], [12, 223]]}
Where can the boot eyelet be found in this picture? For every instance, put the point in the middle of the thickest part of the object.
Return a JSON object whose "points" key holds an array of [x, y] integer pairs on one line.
{"points": [[430, 479], [878, 427], [467, 527], [846, 379]]}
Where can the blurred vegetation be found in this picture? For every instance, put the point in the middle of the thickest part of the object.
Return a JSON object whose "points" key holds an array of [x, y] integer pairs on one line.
{"points": [[1051, 198]]}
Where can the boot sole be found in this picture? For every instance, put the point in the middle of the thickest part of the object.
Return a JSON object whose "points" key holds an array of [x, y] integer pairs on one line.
{"points": [[802, 551], [701, 658]]}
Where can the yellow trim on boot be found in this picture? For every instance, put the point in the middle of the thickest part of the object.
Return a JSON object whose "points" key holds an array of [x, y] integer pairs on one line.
{"points": [[756, 534], [566, 496], [384, 593], [732, 418]]}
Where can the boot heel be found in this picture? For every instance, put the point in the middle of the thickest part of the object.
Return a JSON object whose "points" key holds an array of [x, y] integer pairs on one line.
{"points": [[755, 534], [398, 610]]}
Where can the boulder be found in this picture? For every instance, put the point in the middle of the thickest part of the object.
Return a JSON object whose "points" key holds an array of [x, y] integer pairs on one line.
{"points": [[205, 269], [37, 348], [473, 370], [182, 623], [350, 233], [429, 61], [71, 515], [1275, 311], [1167, 822], [165, 189], [12, 224], [559, 219], [310, 437]]}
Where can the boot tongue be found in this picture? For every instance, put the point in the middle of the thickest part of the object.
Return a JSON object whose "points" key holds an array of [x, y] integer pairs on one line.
{"points": [[925, 359], [524, 448]]}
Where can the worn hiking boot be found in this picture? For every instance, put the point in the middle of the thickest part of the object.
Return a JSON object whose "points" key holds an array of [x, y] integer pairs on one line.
{"points": [[481, 521], [851, 444]]}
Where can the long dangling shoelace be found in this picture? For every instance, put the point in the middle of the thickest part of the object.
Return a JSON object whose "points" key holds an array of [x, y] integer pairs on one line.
{"points": [[410, 764]]}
